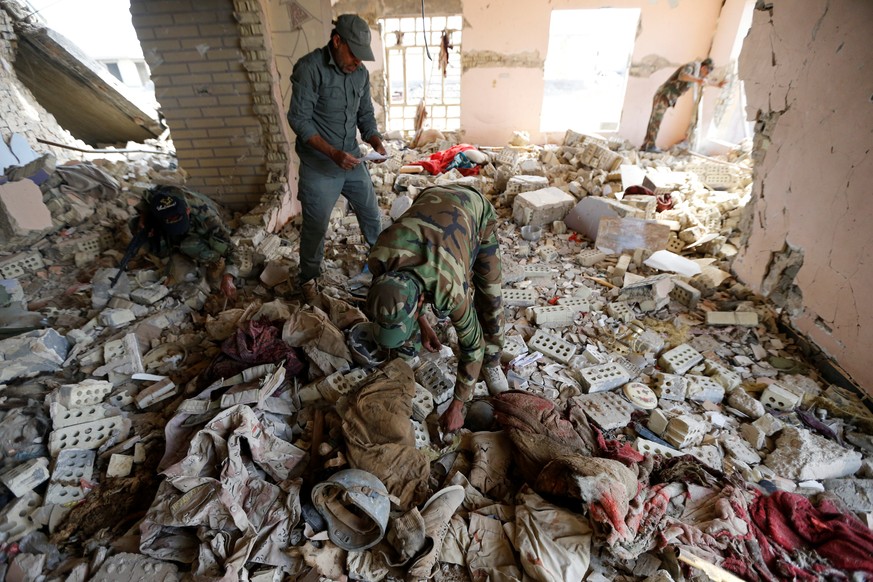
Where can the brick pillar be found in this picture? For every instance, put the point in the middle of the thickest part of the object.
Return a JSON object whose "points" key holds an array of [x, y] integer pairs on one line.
{"points": [[201, 73]]}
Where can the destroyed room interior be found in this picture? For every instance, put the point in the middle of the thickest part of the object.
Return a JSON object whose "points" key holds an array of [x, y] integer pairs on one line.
{"points": [[589, 304]]}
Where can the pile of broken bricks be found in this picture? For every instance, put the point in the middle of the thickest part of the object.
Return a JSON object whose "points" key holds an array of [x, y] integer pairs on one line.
{"points": [[621, 306]]}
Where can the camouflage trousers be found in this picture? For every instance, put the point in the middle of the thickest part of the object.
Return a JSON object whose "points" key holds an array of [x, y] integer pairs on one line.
{"points": [[660, 104]]}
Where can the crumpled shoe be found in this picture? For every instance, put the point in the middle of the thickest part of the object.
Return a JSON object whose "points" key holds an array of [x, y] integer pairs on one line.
{"points": [[437, 513], [495, 379], [407, 535]]}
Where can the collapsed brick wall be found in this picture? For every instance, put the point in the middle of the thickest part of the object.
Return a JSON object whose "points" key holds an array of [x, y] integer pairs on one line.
{"points": [[202, 73], [19, 110]]}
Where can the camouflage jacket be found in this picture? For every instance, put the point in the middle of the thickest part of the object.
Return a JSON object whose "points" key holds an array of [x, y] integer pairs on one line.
{"points": [[208, 238], [673, 88], [438, 240]]}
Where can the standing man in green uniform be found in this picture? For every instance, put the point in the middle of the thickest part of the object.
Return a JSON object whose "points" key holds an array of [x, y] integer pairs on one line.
{"points": [[667, 94], [178, 219], [330, 102], [443, 251]]}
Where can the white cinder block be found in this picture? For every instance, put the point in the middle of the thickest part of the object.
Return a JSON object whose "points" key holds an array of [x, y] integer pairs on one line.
{"points": [[704, 389], [603, 377], [435, 380], [670, 386], [25, 476], [552, 315], [685, 431], [778, 398], [519, 297], [680, 359], [648, 447], [552, 346], [88, 435]]}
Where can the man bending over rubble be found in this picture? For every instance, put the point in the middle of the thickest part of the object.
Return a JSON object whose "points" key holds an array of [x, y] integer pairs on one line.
{"points": [[178, 219], [443, 250], [685, 77]]}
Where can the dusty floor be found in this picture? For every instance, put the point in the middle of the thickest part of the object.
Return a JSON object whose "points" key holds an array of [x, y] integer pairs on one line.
{"points": [[743, 414]]}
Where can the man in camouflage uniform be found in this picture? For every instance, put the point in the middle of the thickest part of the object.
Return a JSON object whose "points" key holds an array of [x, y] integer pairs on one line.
{"points": [[178, 219], [667, 94], [444, 251]]}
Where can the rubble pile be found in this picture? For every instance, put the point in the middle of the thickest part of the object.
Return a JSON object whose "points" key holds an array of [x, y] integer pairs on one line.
{"points": [[659, 427]]}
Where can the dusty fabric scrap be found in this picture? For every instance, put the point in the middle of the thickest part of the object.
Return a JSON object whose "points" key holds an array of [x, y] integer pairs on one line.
{"points": [[253, 343], [380, 437], [554, 544], [490, 557], [217, 493]]}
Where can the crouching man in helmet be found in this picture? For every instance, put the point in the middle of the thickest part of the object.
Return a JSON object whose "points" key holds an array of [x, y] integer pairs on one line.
{"points": [[443, 251], [180, 220]]}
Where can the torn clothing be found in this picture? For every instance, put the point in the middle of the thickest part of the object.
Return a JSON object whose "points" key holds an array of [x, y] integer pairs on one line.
{"points": [[447, 241], [379, 436]]}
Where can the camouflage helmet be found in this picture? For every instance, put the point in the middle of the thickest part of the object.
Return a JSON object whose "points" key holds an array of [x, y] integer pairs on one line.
{"points": [[393, 303]]}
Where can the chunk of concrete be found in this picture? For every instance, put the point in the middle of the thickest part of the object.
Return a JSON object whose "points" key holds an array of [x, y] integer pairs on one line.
{"points": [[25, 476], [746, 403], [541, 207], [802, 455], [769, 424], [22, 211], [856, 494], [617, 235], [31, 354], [585, 217]]}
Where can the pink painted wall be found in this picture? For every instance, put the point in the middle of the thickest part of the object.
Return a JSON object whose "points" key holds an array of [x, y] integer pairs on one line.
{"points": [[500, 100], [811, 61]]}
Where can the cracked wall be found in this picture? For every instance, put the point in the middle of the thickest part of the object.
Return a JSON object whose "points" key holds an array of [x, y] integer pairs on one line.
{"points": [[808, 82], [506, 44]]}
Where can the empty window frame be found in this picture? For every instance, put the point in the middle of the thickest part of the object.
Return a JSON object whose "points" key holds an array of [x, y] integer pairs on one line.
{"points": [[586, 68], [413, 72]]}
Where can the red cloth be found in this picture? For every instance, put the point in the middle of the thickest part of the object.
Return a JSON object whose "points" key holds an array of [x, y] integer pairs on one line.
{"points": [[622, 452], [439, 161], [786, 522], [254, 343], [665, 201]]}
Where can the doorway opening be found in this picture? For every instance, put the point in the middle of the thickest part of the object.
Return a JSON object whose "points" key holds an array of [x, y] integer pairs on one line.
{"points": [[586, 68]]}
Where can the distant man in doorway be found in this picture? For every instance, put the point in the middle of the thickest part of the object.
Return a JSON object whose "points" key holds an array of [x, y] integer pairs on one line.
{"points": [[685, 77], [330, 102]]}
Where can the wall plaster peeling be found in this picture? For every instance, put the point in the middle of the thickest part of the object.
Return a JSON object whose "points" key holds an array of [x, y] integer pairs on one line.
{"points": [[807, 239], [651, 64], [491, 59]]}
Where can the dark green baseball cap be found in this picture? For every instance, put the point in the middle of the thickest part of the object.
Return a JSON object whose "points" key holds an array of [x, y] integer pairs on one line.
{"points": [[393, 304]]}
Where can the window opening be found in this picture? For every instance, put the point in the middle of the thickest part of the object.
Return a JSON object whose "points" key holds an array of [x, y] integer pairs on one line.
{"points": [[411, 76], [586, 68]]}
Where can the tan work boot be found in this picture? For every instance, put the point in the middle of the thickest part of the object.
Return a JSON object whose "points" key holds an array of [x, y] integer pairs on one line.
{"points": [[495, 379], [309, 290], [437, 513]]}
